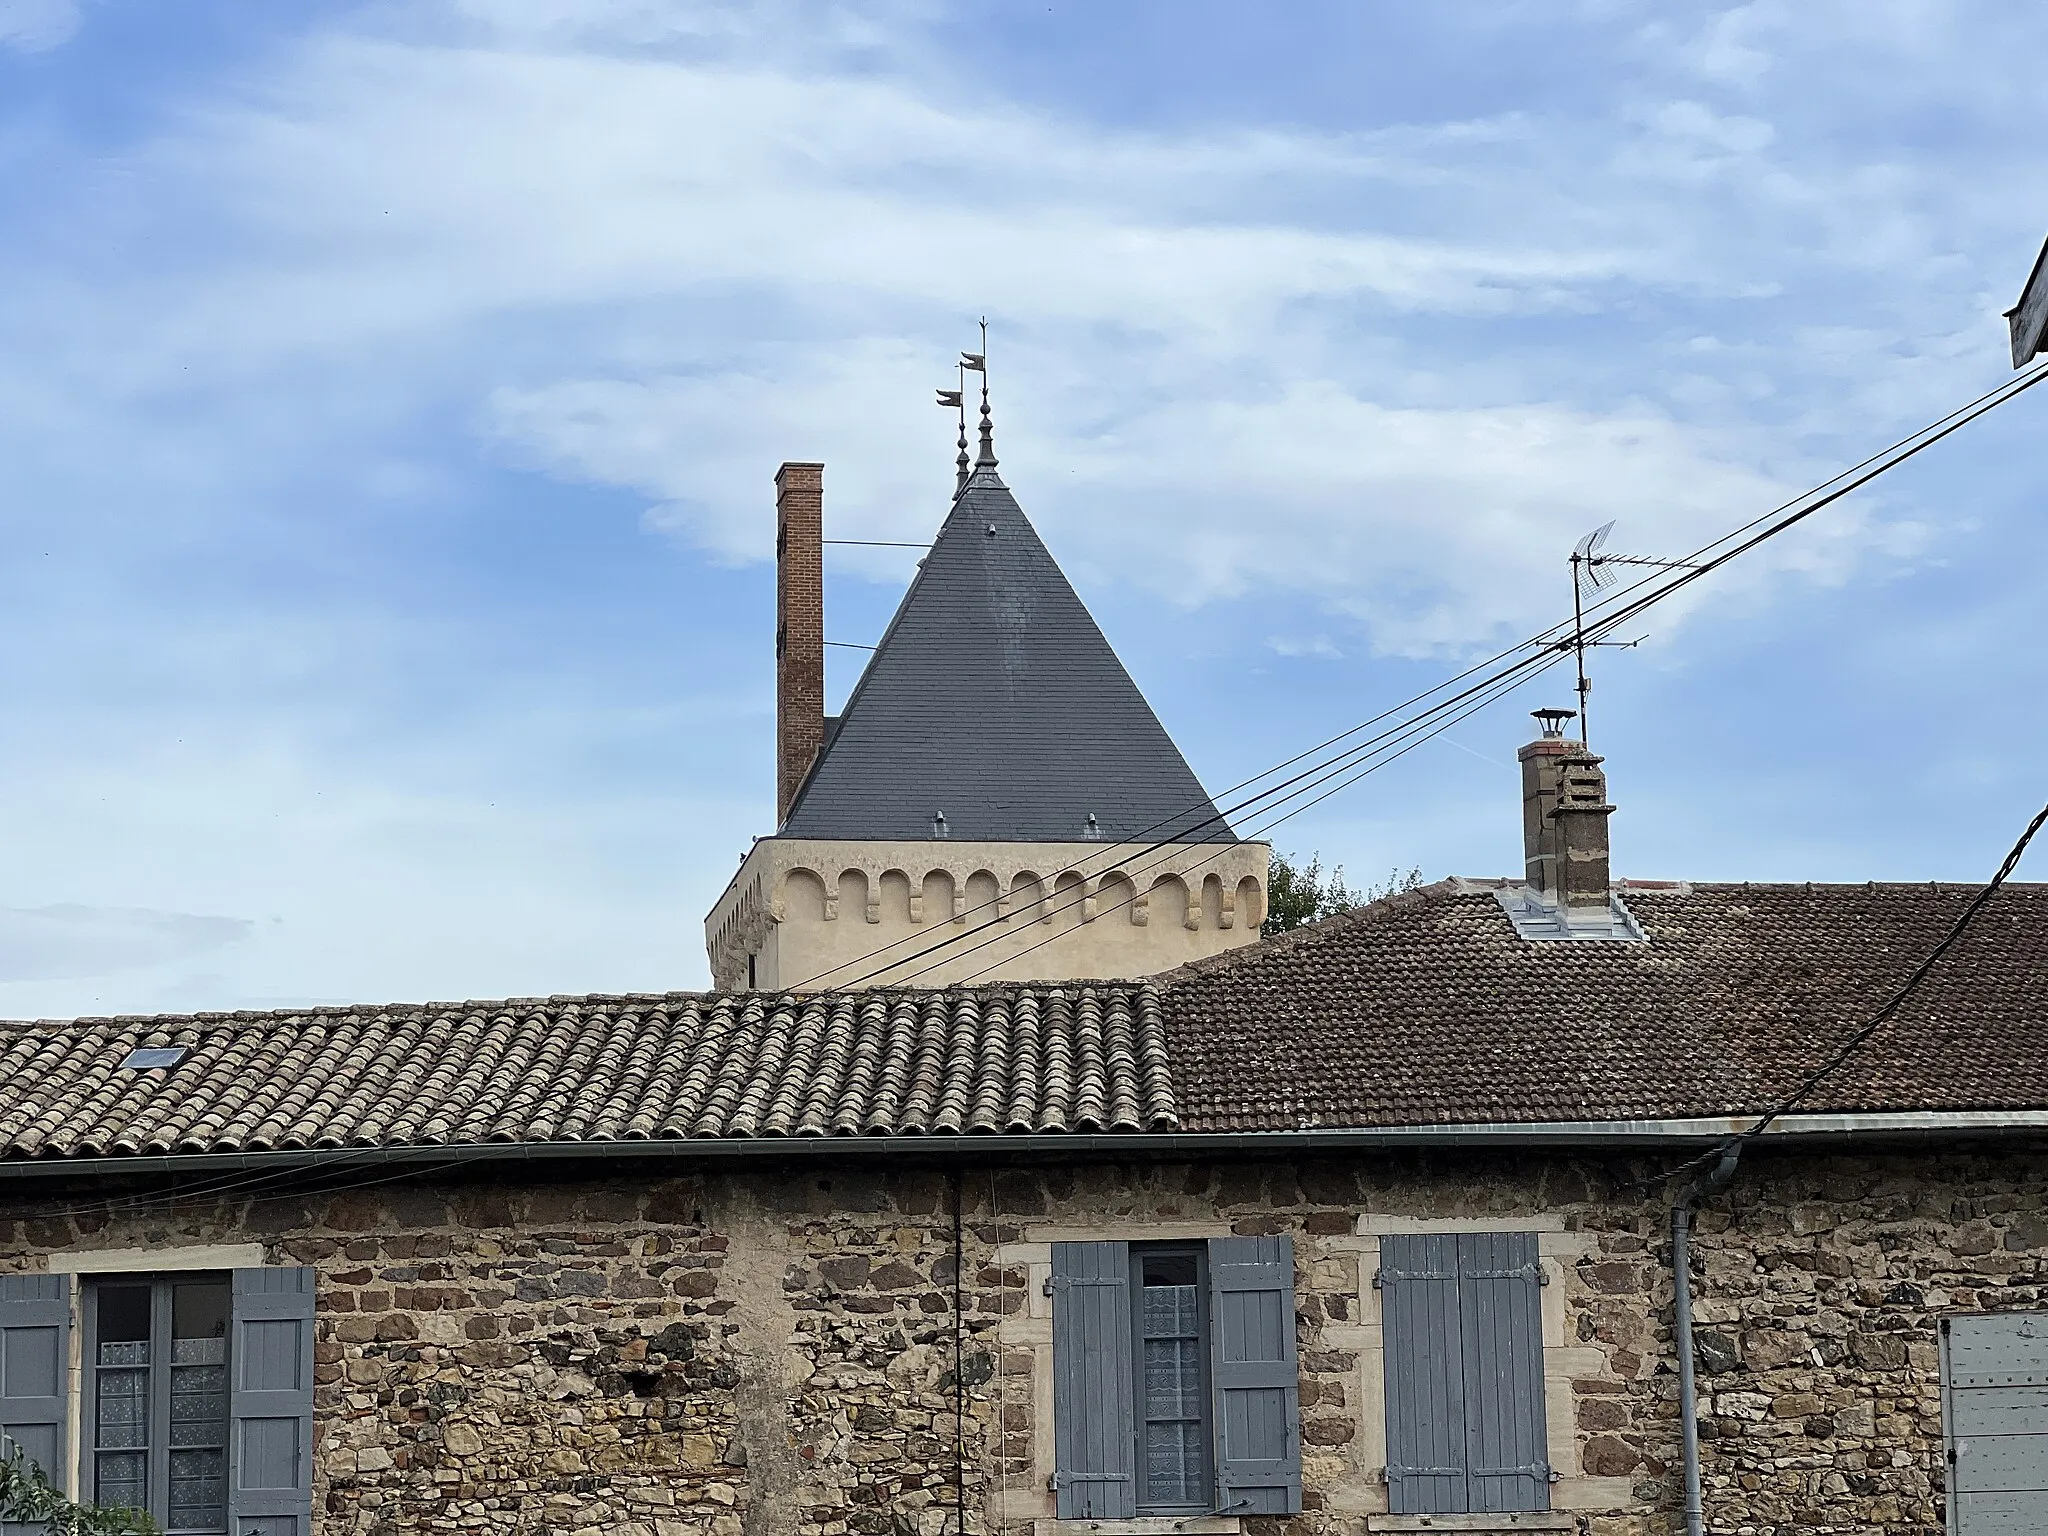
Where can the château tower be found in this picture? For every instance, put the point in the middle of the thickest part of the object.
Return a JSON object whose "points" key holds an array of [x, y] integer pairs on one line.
{"points": [[996, 801]]}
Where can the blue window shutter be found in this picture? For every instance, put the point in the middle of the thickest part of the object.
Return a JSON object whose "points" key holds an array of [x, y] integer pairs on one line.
{"points": [[35, 1371], [1257, 1382], [270, 1439], [1995, 1370], [1094, 1438], [1425, 1375], [1507, 1447]]}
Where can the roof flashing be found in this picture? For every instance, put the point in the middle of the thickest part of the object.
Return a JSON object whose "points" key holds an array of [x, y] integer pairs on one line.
{"points": [[1545, 922]]}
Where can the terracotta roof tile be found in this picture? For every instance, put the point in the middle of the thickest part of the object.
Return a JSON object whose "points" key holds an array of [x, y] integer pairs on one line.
{"points": [[1427, 1009], [670, 1066], [1422, 1009]]}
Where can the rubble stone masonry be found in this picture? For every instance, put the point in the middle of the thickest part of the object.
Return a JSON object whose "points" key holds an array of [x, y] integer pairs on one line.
{"points": [[778, 1353]]}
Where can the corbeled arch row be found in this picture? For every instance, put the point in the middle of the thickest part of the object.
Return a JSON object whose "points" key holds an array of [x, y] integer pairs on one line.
{"points": [[742, 930], [876, 892]]}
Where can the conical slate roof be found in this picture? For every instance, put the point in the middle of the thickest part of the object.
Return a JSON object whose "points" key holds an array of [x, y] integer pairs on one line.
{"points": [[994, 698]]}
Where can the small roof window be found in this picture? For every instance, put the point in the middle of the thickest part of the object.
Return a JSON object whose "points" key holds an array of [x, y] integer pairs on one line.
{"points": [[151, 1058]]}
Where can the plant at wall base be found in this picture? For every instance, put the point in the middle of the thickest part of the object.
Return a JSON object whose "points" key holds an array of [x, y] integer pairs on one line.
{"points": [[29, 1497]]}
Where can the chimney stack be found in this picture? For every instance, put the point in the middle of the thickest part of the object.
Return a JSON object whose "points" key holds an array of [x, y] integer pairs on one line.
{"points": [[799, 628], [1564, 819]]}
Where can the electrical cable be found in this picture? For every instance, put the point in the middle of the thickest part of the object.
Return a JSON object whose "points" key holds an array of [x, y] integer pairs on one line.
{"points": [[1884, 1014], [258, 1184], [1140, 869], [1662, 586], [1223, 814], [1257, 833], [1889, 1009], [1662, 583]]}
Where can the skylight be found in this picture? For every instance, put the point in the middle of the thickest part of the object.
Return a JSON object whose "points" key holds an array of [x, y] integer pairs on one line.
{"points": [[151, 1058]]}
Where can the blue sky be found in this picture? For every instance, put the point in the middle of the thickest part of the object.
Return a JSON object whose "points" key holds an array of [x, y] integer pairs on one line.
{"points": [[390, 394]]}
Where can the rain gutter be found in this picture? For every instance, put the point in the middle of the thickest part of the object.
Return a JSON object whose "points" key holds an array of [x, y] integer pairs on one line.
{"points": [[1619, 1136]]}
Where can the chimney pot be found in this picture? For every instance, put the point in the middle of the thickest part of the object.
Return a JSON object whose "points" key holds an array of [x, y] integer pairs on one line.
{"points": [[1580, 817], [1564, 818], [799, 628]]}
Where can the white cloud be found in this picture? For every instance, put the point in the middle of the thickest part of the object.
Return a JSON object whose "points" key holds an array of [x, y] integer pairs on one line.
{"points": [[1370, 383], [35, 26], [65, 942]]}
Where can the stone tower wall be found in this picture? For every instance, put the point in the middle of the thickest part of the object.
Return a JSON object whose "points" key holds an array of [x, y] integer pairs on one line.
{"points": [[814, 914]]}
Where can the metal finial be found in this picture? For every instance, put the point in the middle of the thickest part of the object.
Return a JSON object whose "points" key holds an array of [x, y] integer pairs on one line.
{"points": [[960, 458], [957, 398], [977, 362]]}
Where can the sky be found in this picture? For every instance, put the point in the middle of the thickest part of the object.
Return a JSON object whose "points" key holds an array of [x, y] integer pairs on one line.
{"points": [[390, 396]]}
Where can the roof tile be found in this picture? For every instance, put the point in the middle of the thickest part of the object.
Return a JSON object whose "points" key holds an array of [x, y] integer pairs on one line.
{"points": [[673, 1066]]}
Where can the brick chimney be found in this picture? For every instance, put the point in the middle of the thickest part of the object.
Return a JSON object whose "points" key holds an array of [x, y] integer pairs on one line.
{"points": [[1564, 819], [799, 628]]}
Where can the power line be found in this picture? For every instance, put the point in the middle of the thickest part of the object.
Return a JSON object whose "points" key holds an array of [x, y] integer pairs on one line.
{"points": [[1886, 1011], [1417, 731], [1414, 742], [1258, 832], [1850, 480], [1250, 802], [1661, 584], [260, 1184]]}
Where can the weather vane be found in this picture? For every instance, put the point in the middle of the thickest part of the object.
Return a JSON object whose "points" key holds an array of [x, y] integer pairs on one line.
{"points": [[972, 362], [1590, 568], [957, 399]]}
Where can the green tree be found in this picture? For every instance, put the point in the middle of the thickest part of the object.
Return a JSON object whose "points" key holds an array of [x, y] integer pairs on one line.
{"points": [[28, 1496], [1298, 893]]}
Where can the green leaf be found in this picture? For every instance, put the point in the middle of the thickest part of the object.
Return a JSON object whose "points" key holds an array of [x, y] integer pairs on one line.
{"points": [[29, 1497]]}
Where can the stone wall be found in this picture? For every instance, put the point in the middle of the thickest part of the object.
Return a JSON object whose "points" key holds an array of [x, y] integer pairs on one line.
{"points": [[773, 1353]]}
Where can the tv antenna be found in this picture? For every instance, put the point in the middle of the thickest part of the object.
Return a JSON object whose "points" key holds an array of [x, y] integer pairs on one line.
{"points": [[1590, 568]]}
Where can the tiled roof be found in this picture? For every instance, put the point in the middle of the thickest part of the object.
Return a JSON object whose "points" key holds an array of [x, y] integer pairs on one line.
{"points": [[1427, 1009], [663, 1067], [995, 698], [1423, 1009]]}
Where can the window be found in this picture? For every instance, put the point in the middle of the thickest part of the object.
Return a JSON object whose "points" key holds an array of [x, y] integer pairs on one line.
{"points": [[196, 1394], [157, 1357], [1174, 1378], [1994, 1388], [1462, 1321], [1171, 1391]]}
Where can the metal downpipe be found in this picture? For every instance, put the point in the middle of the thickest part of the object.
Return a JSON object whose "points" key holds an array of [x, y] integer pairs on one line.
{"points": [[1712, 1182]]}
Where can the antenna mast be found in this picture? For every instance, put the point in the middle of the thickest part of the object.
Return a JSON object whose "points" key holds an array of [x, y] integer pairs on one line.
{"points": [[1590, 569], [1585, 568]]}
